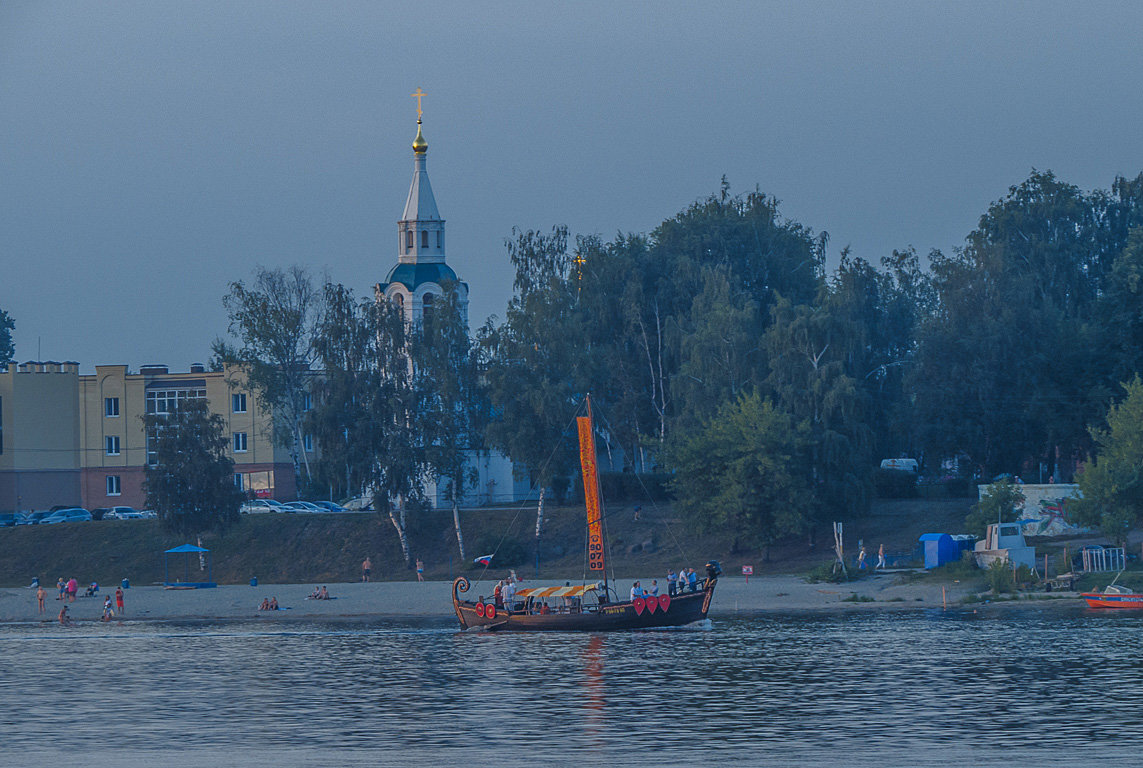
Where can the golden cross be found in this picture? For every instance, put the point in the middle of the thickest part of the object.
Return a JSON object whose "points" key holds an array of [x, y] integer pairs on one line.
{"points": [[419, 94]]}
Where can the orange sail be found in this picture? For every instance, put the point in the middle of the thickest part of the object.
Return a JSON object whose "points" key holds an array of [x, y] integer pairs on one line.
{"points": [[595, 559]]}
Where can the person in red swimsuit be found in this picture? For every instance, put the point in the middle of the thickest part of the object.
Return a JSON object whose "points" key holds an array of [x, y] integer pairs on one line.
{"points": [[119, 600]]}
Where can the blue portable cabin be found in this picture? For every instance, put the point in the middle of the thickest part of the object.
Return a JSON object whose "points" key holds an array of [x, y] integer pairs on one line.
{"points": [[939, 549]]}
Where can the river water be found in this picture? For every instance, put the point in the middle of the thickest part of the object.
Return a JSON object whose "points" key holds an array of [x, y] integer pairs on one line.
{"points": [[1023, 686]]}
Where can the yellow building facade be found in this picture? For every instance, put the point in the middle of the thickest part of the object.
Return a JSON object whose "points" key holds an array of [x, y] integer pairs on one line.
{"points": [[80, 439]]}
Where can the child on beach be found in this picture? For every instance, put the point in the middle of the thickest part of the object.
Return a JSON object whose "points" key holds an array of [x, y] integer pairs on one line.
{"points": [[107, 612]]}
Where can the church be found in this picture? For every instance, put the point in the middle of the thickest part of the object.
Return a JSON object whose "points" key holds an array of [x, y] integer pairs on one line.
{"points": [[418, 280]]}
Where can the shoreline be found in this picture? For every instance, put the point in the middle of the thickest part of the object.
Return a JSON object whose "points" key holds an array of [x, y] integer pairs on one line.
{"points": [[433, 600]]}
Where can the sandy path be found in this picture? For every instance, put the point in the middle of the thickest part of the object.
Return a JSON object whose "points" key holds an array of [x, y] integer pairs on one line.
{"points": [[432, 599]]}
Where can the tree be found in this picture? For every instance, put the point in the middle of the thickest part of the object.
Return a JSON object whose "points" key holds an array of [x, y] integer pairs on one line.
{"points": [[7, 349], [275, 320], [537, 362], [997, 505], [191, 484], [369, 414], [744, 470], [1112, 482], [446, 367]]}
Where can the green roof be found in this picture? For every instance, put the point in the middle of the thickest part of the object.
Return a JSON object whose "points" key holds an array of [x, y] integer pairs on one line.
{"points": [[412, 276]]}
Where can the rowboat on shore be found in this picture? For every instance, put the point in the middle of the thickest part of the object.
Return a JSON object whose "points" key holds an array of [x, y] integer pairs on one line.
{"points": [[587, 607], [1113, 596]]}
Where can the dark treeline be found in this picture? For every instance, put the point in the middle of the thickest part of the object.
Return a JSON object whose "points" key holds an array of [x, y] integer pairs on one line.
{"points": [[719, 348]]}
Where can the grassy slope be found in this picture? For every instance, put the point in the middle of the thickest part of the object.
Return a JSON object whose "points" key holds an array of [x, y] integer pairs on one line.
{"points": [[330, 548]]}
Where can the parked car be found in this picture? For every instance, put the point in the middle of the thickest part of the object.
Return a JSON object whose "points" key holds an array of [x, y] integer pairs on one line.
{"points": [[302, 507], [329, 506], [69, 515], [11, 519], [123, 513], [259, 506], [34, 518]]}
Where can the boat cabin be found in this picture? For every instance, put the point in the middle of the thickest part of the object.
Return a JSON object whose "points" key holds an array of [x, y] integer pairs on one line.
{"points": [[1004, 541]]}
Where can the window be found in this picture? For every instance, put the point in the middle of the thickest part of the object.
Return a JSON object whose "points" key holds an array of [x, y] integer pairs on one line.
{"points": [[114, 487], [111, 444], [427, 312], [308, 443], [307, 401], [424, 238], [238, 403], [111, 407], [408, 238], [440, 237], [240, 442], [239, 483], [163, 402]]}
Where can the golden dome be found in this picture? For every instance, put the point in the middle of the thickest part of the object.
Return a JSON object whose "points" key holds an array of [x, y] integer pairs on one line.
{"points": [[420, 146]]}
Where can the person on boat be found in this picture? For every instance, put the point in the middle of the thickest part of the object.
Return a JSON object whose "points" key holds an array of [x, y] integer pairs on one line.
{"points": [[545, 609], [315, 595], [508, 594], [636, 590], [654, 590], [672, 583], [692, 580], [498, 594]]}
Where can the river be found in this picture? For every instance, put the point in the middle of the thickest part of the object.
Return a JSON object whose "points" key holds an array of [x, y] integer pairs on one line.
{"points": [[1019, 685]]}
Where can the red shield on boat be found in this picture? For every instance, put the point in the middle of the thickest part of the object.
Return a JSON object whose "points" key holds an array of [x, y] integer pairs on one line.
{"points": [[639, 604], [664, 602], [480, 610], [652, 604]]}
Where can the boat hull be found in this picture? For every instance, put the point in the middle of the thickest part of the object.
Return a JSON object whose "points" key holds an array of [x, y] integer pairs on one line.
{"points": [[685, 608], [1111, 600]]}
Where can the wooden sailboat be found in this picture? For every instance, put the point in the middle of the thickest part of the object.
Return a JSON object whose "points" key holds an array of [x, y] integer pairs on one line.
{"points": [[585, 607]]}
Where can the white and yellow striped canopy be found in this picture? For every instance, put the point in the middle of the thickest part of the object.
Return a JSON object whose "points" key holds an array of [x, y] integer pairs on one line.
{"points": [[556, 591]]}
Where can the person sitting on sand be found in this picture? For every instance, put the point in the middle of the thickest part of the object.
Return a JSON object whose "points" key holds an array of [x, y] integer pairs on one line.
{"points": [[273, 603], [324, 594], [316, 595], [265, 606], [92, 588], [65, 620]]}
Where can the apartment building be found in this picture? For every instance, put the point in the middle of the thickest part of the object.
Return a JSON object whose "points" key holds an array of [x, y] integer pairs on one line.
{"points": [[67, 438]]}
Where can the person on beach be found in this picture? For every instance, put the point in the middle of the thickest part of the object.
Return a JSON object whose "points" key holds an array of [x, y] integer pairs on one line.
{"points": [[119, 600], [672, 582], [366, 569], [107, 611], [324, 594], [861, 558], [274, 603], [316, 594], [65, 620], [881, 558], [72, 589], [62, 587], [265, 604], [420, 570], [40, 595]]}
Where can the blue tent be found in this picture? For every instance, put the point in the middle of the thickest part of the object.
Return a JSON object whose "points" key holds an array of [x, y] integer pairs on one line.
{"points": [[940, 548], [186, 550]]}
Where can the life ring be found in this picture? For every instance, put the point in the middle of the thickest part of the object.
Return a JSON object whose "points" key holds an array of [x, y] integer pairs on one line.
{"points": [[490, 611], [480, 610]]}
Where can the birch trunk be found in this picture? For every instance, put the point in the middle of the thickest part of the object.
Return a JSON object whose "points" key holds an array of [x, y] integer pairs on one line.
{"points": [[540, 515], [456, 524], [397, 517]]}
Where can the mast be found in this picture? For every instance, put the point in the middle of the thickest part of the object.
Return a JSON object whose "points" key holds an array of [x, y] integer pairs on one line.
{"points": [[596, 560]]}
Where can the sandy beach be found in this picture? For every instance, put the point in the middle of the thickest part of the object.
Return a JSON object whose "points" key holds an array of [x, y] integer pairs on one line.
{"points": [[432, 599]]}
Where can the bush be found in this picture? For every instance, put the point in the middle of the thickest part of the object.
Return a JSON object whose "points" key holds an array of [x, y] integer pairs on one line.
{"points": [[511, 552], [826, 573], [1000, 577], [895, 484]]}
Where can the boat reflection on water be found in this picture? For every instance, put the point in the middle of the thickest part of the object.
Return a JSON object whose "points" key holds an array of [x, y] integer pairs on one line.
{"points": [[595, 703]]}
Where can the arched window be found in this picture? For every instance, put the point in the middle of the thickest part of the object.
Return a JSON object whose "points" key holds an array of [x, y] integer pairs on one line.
{"points": [[408, 238], [424, 238], [399, 301], [427, 312]]}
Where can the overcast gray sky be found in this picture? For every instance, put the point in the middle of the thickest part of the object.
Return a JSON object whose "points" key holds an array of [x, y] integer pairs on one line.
{"points": [[151, 152]]}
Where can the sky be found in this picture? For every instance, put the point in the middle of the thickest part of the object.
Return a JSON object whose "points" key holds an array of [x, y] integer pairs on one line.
{"points": [[152, 152]]}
